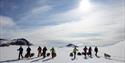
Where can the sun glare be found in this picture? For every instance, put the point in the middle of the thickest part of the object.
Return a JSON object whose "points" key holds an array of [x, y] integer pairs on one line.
{"points": [[84, 6]]}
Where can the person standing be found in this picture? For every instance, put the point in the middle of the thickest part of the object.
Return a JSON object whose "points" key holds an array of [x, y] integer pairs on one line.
{"points": [[20, 52], [85, 51], [74, 51], [44, 52], [96, 51], [53, 52], [28, 52], [90, 52], [39, 51]]}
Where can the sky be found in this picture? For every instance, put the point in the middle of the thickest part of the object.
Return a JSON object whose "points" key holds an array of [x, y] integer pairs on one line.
{"points": [[90, 22]]}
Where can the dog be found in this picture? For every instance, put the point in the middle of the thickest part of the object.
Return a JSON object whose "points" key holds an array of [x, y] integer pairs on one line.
{"points": [[107, 56]]}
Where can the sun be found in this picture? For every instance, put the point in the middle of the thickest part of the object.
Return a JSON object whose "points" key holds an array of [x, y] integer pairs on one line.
{"points": [[85, 6]]}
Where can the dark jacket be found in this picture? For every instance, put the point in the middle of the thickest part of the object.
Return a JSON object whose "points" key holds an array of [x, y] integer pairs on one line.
{"points": [[28, 49], [20, 50]]}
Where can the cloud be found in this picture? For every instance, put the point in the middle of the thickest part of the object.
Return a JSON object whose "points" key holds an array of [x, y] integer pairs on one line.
{"points": [[35, 13], [40, 9], [103, 24], [87, 34], [6, 22], [7, 27]]}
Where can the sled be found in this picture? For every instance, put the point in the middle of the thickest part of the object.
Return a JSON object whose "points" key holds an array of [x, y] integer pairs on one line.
{"points": [[48, 54], [71, 54], [107, 56], [83, 53], [31, 55], [79, 54]]}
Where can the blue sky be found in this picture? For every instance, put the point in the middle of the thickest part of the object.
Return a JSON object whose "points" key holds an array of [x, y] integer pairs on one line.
{"points": [[80, 20], [41, 10]]}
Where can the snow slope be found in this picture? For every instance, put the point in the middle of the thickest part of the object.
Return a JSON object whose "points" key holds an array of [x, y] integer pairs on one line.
{"points": [[117, 52]]}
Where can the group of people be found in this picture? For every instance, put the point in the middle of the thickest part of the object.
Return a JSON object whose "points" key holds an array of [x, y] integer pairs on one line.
{"points": [[86, 51], [28, 54], [41, 52]]}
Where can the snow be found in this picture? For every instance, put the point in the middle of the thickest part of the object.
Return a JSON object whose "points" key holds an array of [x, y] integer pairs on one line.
{"points": [[116, 51]]}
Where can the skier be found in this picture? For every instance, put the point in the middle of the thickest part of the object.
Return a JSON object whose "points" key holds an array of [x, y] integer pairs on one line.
{"points": [[90, 52], [28, 52], [74, 51], [20, 52], [44, 52], [39, 51], [96, 51], [85, 51], [53, 52]]}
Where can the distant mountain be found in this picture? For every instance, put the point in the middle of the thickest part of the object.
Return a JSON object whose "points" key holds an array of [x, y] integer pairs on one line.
{"points": [[4, 42], [71, 45], [19, 41], [2, 39]]}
